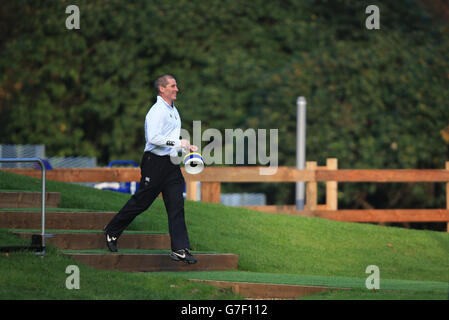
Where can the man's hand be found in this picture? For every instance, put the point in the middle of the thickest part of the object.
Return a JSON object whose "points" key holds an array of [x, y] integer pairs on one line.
{"points": [[193, 148], [185, 144]]}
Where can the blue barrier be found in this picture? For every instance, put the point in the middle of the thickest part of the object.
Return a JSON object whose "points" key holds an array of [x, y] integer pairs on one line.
{"points": [[125, 187], [46, 164]]}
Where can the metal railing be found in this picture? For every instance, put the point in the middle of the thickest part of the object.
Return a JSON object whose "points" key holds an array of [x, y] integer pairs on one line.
{"points": [[41, 163]]}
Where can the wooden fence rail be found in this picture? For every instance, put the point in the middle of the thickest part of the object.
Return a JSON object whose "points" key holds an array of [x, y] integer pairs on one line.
{"points": [[212, 177]]}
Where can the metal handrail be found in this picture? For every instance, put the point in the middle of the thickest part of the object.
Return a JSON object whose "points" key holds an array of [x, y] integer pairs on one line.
{"points": [[41, 163]]}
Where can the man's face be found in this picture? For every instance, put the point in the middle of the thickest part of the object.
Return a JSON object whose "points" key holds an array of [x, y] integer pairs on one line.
{"points": [[169, 91]]}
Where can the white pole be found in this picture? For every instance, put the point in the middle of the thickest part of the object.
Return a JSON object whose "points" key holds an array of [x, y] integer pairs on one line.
{"points": [[300, 149]]}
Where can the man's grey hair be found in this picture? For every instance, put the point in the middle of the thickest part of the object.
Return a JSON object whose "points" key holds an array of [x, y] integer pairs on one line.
{"points": [[162, 81]]}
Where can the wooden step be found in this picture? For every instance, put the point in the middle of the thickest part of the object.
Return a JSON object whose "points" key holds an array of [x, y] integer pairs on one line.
{"points": [[363, 215], [253, 290], [17, 199], [55, 220], [133, 262], [96, 240]]}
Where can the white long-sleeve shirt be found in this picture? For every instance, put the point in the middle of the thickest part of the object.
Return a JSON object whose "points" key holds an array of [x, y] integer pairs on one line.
{"points": [[162, 128]]}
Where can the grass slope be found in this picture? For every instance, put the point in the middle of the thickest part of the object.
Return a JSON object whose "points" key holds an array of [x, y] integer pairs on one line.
{"points": [[280, 244], [27, 276]]}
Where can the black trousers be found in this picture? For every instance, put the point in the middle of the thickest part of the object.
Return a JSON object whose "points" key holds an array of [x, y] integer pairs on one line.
{"points": [[158, 174]]}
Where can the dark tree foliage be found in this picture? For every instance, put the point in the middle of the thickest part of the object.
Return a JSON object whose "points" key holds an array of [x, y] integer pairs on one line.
{"points": [[376, 98]]}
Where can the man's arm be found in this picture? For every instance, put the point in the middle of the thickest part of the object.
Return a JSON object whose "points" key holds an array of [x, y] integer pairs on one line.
{"points": [[153, 132], [153, 128]]}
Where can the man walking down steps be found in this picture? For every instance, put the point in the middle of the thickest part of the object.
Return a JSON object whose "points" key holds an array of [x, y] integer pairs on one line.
{"points": [[159, 173]]}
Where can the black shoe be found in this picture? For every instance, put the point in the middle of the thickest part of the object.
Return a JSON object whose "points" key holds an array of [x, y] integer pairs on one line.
{"points": [[111, 242], [183, 255]]}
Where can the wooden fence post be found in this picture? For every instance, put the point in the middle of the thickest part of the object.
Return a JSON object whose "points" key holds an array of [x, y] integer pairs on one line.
{"points": [[191, 190], [447, 196], [210, 192], [311, 189], [331, 186]]}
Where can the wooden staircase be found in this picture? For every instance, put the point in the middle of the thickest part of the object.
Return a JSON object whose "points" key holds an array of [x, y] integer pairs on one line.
{"points": [[18, 199], [73, 231], [95, 240], [79, 235]]}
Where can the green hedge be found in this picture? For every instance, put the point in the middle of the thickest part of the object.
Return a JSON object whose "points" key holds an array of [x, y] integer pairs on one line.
{"points": [[376, 99]]}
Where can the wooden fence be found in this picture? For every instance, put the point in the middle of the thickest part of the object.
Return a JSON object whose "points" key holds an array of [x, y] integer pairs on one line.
{"points": [[212, 177]]}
